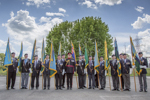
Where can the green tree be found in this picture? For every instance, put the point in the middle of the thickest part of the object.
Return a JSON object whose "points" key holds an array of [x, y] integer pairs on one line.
{"points": [[84, 31], [2, 55]]}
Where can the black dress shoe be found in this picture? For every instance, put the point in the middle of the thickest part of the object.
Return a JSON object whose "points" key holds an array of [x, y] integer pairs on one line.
{"points": [[79, 88], [44, 88], [60, 88], [113, 89], [22, 88], [101, 89], [12, 88], [93, 88], [145, 90], [117, 89], [84, 86], [25, 88], [63, 87], [140, 90]]}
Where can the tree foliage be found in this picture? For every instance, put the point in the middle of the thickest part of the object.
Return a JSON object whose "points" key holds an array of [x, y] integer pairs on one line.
{"points": [[84, 31]]}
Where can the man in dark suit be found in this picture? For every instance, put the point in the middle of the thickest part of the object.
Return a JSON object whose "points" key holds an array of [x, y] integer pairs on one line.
{"points": [[12, 71], [63, 73], [85, 71], [121, 60], [46, 73], [25, 64], [80, 71], [36, 68], [102, 76], [143, 66], [70, 68], [126, 65], [58, 75], [114, 74], [91, 72]]}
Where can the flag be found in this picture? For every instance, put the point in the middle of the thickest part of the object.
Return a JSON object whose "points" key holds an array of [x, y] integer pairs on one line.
{"points": [[80, 53], [43, 56], [7, 59], [117, 57], [136, 61], [52, 64], [86, 57], [106, 56], [96, 62], [20, 59], [59, 50], [32, 55], [73, 51]]}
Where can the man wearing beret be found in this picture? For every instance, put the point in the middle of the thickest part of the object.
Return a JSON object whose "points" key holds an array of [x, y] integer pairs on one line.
{"points": [[12, 71], [114, 74], [63, 73], [70, 68], [91, 72], [25, 71], [143, 66], [126, 72], [36, 68]]}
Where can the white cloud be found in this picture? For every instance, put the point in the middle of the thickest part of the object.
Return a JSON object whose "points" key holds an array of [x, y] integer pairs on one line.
{"points": [[89, 4], [108, 2], [54, 14], [62, 10], [37, 2], [139, 9], [12, 14], [23, 27], [140, 22]]}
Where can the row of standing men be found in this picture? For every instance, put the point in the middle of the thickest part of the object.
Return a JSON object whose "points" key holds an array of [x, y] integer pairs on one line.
{"points": [[67, 67]]}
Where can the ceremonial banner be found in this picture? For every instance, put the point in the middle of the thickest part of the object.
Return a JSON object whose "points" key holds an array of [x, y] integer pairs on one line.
{"points": [[59, 50], [32, 55], [96, 61], [7, 59], [86, 57], [52, 64], [117, 57], [20, 59], [106, 57], [80, 53], [43, 56], [73, 52], [136, 61]]}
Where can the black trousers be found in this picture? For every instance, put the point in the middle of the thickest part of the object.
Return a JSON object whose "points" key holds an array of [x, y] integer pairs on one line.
{"points": [[69, 80], [37, 81], [96, 81], [63, 80], [11, 79], [122, 82], [58, 80], [46, 80], [81, 80]]}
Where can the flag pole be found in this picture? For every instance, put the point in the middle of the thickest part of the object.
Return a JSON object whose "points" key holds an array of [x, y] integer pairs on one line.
{"points": [[7, 79], [133, 68], [87, 80], [20, 81], [121, 83], [30, 81]]}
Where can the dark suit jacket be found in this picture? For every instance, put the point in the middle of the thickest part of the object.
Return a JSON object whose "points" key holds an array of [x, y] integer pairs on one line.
{"points": [[102, 68], [80, 67], [88, 68], [36, 70], [25, 67], [126, 66], [13, 67], [144, 63], [63, 63], [114, 68], [46, 70], [59, 68]]}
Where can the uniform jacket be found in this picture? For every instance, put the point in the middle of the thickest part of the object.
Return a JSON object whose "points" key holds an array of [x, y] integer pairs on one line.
{"points": [[143, 62], [46, 70], [125, 66], [114, 68], [36, 70], [70, 66], [101, 68], [80, 67], [13, 67], [25, 67], [59, 67], [89, 68]]}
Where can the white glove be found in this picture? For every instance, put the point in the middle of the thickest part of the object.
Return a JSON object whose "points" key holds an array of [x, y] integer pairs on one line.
{"points": [[63, 72], [133, 66], [143, 67], [85, 71], [94, 72]]}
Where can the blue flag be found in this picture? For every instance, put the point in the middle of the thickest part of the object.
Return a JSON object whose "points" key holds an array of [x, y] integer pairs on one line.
{"points": [[96, 62], [7, 59], [73, 52], [33, 52], [52, 65], [20, 58]]}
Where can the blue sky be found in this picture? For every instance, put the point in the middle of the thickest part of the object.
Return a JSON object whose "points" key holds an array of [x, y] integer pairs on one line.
{"points": [[25, 20]]}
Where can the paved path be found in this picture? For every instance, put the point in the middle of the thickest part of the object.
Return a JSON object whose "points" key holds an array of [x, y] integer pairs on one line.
{"points": [[74, 94]]}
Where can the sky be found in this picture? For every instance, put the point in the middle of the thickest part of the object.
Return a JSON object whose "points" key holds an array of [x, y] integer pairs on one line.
{"points": [[25, 20]]}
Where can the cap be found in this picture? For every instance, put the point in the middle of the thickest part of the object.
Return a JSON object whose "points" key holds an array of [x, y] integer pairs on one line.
{"points": [[69, 53], [140, 52]]}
